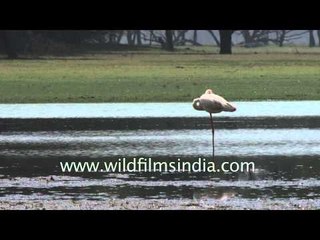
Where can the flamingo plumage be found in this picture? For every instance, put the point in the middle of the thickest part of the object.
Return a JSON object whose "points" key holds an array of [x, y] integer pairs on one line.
{"points": [[212, 103]]}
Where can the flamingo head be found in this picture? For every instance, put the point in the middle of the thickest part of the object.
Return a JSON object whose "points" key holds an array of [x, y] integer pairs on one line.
{"points": [[197, 105], [209, 91]]}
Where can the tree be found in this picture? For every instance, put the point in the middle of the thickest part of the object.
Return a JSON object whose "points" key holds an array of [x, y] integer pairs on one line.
{"points": [[138, 34], [312, 42], [119, 36], [195, 36], [169, 40], [214, 37], [255, 38], [181, 38], [291, 35], [248, 38], [282, 37], [130, 37], [151, 37], [225, 41]]}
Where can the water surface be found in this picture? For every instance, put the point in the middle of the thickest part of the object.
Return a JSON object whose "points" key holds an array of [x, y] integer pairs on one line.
{"points": [[138, 110], [287, 162], [93, 144]]}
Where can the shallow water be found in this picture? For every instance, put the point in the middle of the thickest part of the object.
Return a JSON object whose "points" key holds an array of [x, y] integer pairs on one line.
{"points": [[138, 110], [287, 163], [94, 144]]}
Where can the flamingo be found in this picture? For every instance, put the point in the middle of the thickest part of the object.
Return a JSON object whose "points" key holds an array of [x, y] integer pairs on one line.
{"points": [[212, 103]]}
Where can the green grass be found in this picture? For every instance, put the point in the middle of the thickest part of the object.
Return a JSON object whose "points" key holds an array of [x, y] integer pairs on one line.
{"points": [[149, 76]]}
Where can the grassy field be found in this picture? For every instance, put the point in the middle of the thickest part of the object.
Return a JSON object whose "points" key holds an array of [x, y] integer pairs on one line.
{"points": [[152, 75]]}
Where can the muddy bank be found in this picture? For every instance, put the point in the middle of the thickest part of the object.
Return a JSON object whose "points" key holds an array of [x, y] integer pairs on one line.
{"points": [[154, 204], [60, 124]]}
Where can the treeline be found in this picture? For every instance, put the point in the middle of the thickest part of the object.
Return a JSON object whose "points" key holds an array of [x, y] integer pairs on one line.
{"points": [[15, 43]]}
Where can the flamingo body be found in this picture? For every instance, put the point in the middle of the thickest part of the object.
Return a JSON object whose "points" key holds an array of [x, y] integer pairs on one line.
{"points": [[212, 103]]}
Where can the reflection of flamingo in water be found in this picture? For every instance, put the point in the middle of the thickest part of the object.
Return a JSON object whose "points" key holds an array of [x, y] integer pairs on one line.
{"points": [[212, 103]]}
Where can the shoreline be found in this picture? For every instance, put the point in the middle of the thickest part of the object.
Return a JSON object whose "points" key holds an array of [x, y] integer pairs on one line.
{"points": [[162, 204], [158, 123]]}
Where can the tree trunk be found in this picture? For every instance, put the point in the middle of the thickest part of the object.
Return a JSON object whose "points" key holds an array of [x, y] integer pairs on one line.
{"points": [[183, 37], [180, 39], [312, 42], [138, 34], [151, 37], [6, 37], [169, 40], [246, 36], [195, 37], [265, 37], [112, 38], [282, 38], [119, 37], [225, 41], [130, 38]]}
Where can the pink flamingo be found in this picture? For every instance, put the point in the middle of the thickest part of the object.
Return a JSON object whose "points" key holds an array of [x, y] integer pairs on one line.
{"points": [[212, 103]]}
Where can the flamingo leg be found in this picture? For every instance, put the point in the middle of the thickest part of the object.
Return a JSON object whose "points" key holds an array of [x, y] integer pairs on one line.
{"points": [[212, 128]]}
